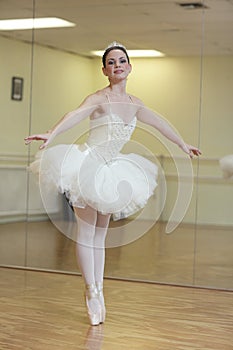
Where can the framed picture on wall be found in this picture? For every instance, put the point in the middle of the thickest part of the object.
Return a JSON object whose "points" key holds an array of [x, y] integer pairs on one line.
{"points": [[17, 89]]}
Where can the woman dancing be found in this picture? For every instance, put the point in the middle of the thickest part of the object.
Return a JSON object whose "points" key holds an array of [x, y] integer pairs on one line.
{"points": [[89, 174]]}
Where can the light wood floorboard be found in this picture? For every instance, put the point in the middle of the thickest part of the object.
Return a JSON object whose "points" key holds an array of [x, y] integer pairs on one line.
{"points": [[46, 311]]}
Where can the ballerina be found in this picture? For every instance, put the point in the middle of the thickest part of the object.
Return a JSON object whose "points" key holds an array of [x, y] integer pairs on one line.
{"points": [[89, 174]]}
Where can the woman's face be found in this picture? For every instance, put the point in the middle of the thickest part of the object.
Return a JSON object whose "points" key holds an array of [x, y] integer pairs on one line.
{"points": [[116, 65]]}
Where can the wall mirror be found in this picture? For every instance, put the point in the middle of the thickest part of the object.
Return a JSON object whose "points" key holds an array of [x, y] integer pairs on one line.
{"points": [[16, 76], [190, 86]]}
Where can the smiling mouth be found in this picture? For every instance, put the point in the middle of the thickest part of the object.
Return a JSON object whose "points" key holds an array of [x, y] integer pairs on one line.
{"points": [[118, 71]]}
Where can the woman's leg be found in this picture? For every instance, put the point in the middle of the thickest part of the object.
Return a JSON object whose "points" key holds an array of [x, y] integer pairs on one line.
{"points": [[99, 245], [92, 230], [99, 258], [86, 219]]}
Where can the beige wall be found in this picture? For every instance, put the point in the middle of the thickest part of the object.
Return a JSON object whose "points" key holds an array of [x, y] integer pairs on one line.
{"points": [[60, 82], [15, 60], [198, 102], [171, 86]]}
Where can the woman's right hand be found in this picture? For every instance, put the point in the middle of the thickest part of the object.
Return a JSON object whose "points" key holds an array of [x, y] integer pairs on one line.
{"points": [[39, 137]]}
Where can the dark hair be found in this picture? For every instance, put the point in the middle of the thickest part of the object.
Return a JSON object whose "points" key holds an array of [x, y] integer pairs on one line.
{"points": [[113, 48]]}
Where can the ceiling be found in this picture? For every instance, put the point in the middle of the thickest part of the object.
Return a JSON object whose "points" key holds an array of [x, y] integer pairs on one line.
{"points": [[163, 25]]}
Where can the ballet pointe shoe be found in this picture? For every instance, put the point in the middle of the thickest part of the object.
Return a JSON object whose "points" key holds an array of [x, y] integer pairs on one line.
{"points": [[93, 304], [99, 286]]}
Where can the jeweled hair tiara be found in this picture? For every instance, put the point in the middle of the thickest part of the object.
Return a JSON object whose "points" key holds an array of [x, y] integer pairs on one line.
{"points": [[114, 43]]}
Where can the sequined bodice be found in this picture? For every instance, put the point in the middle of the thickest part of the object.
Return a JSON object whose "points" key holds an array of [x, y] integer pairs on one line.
{"points": [[108, 135]]}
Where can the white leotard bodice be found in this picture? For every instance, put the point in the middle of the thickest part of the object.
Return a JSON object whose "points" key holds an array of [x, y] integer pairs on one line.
{"points": [[108, 134]]}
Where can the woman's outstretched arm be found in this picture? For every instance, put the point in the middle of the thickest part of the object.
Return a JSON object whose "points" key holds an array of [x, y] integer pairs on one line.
{"points": [[149, 117], [68, 121]]}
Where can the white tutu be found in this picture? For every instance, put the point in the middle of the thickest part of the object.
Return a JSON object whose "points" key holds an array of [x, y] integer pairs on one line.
{"points": [[226, 164], [96, 173], [121, 185]]}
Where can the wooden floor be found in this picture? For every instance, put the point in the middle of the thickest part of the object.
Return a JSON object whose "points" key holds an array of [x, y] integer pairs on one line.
{"points": [[45, 311]]}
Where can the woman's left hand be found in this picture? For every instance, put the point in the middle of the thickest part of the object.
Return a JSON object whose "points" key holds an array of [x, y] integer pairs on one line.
{"points": [[190, 150]]}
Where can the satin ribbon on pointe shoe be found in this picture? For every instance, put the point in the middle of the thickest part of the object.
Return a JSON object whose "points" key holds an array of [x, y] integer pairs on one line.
{"points": [[93, 304], [99, 286]]}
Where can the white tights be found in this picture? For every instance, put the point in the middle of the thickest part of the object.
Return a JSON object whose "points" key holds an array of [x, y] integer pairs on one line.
{"points": [[92, 230]]}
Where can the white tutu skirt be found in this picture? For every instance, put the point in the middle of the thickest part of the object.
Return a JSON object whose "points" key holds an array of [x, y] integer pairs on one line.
{"points": [[226, 164], [120, 186]]}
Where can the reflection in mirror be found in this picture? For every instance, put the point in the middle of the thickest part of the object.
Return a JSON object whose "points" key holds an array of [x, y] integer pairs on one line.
{"points": [[65, 72], [68, 78], [15, 82], [214, 240]]}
